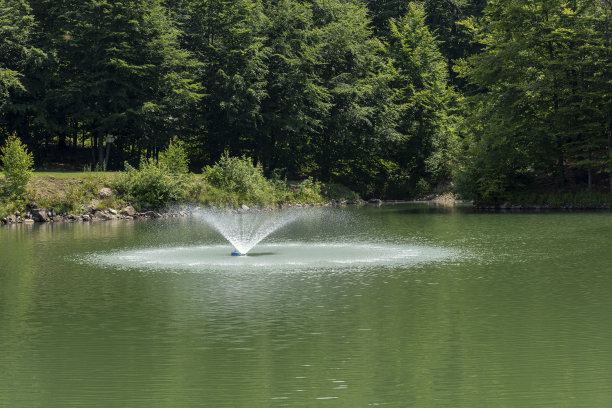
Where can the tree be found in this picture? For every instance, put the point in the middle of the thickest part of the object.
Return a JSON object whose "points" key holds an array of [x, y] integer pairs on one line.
{"points": [[121, 71], [18, 55], [423, 100], [355, 135], [226, 37], [542, 94], [17, 164], [296, 101], [16, 50]]}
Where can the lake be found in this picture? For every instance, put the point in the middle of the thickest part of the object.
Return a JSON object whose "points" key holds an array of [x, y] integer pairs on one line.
{"points": [[402, 305]]}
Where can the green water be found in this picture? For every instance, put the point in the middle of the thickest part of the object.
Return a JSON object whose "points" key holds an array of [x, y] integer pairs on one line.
{"points": [[502, 310]]}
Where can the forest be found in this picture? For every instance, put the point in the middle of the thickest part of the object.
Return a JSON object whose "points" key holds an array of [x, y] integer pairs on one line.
{"points": [[392, 98]]}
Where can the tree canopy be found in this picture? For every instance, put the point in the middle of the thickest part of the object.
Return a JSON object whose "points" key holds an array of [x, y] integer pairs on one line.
{"points": [[391, 98]]}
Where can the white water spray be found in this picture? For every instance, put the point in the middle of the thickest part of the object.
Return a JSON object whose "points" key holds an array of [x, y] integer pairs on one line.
{"points": [[245, 229]]}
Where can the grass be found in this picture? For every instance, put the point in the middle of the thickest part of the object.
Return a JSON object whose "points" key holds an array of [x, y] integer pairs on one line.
{"points": [[229, 183], [72, 174]]}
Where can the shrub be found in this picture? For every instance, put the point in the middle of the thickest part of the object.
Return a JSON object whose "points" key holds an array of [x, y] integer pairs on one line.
{"points": [[238, 177], [333, 191], [174, 158], [17, 165], [152, 186], [307, 191]]}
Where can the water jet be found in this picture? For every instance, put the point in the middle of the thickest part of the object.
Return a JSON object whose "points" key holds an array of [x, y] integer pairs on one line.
{"points": [[245, 229], [312, 239]]}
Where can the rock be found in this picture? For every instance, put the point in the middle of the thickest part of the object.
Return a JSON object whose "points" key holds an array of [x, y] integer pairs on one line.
{"points": [[86, 217], [28, 221], [375, 201], [129, 210], [105, 192], [39, 215], [152, 214], [17, 214], [113, 211], [4, 220], [245, 207]]}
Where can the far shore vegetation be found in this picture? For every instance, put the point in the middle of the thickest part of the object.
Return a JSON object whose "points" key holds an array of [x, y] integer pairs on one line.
{"points": [[229, 183], [290, 101]]}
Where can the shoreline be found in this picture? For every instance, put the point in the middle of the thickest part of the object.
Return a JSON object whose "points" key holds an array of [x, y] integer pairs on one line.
{"points": [[128, 212], [43, 215]]}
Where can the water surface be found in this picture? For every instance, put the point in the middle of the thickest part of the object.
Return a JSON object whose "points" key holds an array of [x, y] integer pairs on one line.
{"points": [[395, 306]]}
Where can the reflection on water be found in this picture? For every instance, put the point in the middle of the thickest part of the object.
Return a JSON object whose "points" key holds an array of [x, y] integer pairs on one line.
{"points": [[519, 315]]}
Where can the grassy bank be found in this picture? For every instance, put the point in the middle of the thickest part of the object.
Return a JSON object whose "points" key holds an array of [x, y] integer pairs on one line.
{"points": [[82, 192], [154, 185]]}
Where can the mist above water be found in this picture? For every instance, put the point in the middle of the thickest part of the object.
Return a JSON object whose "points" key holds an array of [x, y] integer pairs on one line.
{"points": [[298, 239], [246, 228]]}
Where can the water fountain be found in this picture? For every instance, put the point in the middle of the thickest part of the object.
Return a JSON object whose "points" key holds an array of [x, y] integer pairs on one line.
{"points": [[271, 241], [246, 228]]}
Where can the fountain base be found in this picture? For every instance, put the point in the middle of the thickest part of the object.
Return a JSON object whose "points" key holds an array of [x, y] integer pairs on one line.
{"points": [[236, 253]]}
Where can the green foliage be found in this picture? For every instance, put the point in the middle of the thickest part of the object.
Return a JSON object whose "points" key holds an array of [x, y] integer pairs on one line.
{"points": [[16, 48], [339, 192], [238, 177], [150, 186], [306, 191], [17, 164], [541, 94], [424, 102], [351, 92], [174, 158], [72, 196], [10, 207]]}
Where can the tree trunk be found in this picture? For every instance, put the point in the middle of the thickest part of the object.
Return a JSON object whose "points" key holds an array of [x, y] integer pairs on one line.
{"points": [[561, 169], [61, 141], [94, 143], [610, 156], [590, 172], [108, 147], [101, 150], [75, 134]]}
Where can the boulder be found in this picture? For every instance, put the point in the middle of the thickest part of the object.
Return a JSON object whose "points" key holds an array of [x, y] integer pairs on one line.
{"points": [[105, 192], [104, 216], [113, 211], [129, 210], [244, 207], [39, 215]]}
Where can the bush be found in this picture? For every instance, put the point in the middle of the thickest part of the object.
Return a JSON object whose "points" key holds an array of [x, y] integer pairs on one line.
{"points": [[307, 191], [152, 186], [235, 180], [333, 191], [174, 158], [17, 165]]}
